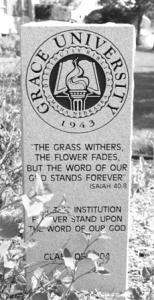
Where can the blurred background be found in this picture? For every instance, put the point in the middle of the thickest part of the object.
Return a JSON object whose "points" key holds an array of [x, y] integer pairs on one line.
{"points": [[140, 13]]}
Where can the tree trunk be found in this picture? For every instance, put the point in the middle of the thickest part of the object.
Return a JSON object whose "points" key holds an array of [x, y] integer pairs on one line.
{"points": [[139, 21]]}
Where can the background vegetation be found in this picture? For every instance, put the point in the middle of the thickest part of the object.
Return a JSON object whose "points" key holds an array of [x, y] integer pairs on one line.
{"points": [[59, 284]]}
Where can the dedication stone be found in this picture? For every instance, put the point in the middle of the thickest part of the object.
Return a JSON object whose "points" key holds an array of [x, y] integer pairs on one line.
{"points": [[77, 115]]}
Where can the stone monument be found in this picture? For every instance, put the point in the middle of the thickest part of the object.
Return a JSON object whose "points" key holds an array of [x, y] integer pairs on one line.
{"points": [[77, 83]]}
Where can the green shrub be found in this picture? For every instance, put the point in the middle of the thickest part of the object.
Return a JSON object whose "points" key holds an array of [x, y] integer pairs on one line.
{"points": [[43, 12], [10, 46]]}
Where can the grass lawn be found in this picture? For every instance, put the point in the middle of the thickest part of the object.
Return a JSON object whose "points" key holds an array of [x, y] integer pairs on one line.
{"points": [[143, 115], [144, 90], [144, 100]]}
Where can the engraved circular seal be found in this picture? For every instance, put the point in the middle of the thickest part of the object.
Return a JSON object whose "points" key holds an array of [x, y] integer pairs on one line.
{"points": [[77, 81]]}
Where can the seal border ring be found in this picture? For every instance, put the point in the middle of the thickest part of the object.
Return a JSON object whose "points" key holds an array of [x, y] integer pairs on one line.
{"points": [[64, 31]]}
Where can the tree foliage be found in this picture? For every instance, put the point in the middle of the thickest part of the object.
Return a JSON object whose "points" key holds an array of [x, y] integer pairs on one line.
{"points": [[121, 11], [139, 5], [111, 14]]}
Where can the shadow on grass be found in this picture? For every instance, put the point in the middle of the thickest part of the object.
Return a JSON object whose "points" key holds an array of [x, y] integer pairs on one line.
{"points": [[144, 101]]}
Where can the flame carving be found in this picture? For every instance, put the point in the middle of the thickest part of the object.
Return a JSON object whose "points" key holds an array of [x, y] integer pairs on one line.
{"points": [[75, 79]]}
